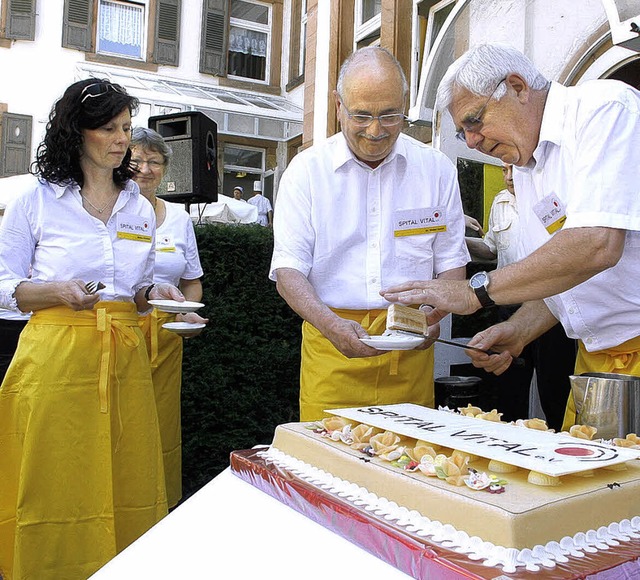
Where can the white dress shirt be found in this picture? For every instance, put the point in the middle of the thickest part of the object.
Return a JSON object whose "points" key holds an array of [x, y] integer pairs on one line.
{"points": [[264, 207], [588, 155], [503, 233], [336, 217], [176, 249], [48, 230]]}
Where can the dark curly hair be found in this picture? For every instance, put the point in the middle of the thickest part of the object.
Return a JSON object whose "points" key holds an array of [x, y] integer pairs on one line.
{"points": [[86, 104]]}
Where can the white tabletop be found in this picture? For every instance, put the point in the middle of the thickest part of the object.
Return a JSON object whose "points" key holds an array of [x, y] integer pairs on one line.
{"points": [[231, 530]]}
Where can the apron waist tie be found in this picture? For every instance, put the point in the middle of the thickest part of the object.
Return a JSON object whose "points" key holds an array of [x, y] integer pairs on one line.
{"points": [[119, 319]]}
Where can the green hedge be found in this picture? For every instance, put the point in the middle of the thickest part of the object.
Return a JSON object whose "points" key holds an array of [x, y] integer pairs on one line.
{"points": [[241, 375]]}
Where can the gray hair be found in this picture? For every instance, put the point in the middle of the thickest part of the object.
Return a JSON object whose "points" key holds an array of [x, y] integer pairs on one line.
{"points": [[151, 140], [481, 68], [375, 52]]}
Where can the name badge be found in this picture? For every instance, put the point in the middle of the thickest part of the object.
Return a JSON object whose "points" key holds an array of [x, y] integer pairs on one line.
{"points": [[551, 213], [133, 227], [165, 243], [412, 222]]}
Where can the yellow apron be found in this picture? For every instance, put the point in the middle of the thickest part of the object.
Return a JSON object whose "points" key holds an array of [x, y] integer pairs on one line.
{"points": [[165, 354], [623, 359], [81, 473], [329, 380]]}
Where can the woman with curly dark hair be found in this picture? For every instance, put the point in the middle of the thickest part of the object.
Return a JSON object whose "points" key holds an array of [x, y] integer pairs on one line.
{"points": [[81, 473]]}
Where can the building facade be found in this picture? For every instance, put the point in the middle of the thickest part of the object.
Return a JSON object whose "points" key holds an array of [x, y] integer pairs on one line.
{"points": [[236, 61]]}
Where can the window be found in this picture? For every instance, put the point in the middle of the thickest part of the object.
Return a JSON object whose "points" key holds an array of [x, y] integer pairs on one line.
{"points": [[437, 14], [367, 22], [15, 152], [242, 166], [297, 43], [19, 19], [122, 29], [249, 40], [247, 159]]}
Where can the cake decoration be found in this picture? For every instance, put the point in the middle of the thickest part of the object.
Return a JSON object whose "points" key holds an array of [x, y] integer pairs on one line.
{"points": [[530, 449], [509, 559]]}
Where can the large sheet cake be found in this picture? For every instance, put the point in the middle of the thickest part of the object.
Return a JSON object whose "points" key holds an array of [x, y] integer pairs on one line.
{"points": [[595, 506]]}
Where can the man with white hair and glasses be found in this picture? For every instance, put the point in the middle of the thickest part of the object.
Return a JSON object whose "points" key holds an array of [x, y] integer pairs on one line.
{"points": [[577, 153], [367, 208]]}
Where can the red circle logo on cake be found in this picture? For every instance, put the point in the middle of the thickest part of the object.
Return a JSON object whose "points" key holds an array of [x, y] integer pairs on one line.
{"points": [[586, 451], [575, 451]]}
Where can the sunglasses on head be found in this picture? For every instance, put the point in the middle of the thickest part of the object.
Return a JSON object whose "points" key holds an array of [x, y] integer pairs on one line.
{"points": [[99, 89]]}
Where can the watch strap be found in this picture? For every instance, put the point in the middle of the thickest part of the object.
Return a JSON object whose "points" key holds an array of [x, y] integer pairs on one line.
{"points": [[483, 297]]}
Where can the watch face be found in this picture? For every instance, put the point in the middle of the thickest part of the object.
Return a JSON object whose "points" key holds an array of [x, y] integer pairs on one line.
{"points": [[478, 280]]}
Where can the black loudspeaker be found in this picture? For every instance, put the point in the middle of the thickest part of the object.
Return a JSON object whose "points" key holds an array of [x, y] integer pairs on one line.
{"points": [[192, 175]]}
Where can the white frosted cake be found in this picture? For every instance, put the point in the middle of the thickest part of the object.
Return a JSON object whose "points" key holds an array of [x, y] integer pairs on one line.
{"points": [[501, 492]]}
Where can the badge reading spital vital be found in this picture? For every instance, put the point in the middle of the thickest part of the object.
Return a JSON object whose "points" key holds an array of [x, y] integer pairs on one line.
{"points": [[133, 227], [165, 243], [551, 213], [411, 222]]}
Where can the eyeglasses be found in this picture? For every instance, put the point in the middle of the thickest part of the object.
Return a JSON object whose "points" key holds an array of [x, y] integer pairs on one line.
{"points": [[364, 120], [152, 164], [474, 124], [99, 89]]}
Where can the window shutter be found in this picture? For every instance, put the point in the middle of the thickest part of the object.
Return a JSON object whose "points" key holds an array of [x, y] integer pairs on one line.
{"points": [[16, 144], [167, 41], [213, 46], [77, 24], [21, 19]]}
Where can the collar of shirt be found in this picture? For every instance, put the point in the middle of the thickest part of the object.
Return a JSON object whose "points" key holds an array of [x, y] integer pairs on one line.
{"points": [[131, 187], [505, 196], [343, 154], [552, 125]]}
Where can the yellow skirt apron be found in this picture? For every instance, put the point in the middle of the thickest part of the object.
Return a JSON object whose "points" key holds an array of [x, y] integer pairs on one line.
{"points": [[81, 473], [623, 359], [329, 380], [165, 355]]}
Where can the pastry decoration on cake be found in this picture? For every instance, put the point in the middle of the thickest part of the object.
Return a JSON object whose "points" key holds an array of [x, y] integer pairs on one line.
{"points": [[450, 465], [414, 455]]}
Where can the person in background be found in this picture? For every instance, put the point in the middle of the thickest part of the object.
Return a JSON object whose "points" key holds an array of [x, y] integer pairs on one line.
{"points": [[351, 220], [553, 354], [265, 211], [81, 473], [580, 227], [177, 263], [237, 193]]}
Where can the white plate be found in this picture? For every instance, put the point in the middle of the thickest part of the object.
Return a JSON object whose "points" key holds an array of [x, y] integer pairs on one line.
{"points": [[183, 326], [393, 342], [176, 307]]}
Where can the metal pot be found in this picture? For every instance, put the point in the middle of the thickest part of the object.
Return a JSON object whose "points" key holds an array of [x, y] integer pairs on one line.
{"points": [[609, 402]]}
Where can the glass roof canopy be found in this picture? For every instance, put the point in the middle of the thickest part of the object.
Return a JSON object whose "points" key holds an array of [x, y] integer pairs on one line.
{"points": [[237, 113]]}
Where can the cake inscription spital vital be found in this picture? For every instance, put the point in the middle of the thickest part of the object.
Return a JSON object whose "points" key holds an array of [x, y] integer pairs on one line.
{"points": [[463, 434]]}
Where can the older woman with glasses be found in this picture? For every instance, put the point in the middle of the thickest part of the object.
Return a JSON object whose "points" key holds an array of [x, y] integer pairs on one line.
{"points": [[177, 263], [81, 472]]}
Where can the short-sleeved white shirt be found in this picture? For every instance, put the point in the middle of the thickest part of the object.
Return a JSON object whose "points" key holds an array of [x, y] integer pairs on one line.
{"points": [[264, 207], [503, 233], [176, 249], [588, 155], [48, 230], [335, 220]]}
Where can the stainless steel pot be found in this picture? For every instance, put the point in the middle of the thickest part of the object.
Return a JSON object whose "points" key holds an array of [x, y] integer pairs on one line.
{"points": [[609, 402]]}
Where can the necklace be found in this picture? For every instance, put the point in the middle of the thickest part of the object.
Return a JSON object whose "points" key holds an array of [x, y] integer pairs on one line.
{"points": [[98, 209]]}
